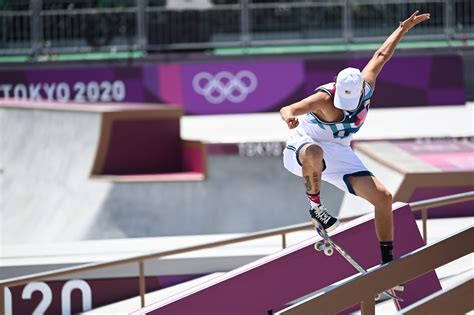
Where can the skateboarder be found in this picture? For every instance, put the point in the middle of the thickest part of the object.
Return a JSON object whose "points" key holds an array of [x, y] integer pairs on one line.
{"points": [[319, 144]]}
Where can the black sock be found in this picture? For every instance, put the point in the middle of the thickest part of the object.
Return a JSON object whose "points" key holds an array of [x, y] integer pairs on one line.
{"points": [[386, 248]]}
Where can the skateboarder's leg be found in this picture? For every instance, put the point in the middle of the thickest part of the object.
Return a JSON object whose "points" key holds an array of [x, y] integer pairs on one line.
{"points": [[311, 157], [306, 159], [371, 189]]}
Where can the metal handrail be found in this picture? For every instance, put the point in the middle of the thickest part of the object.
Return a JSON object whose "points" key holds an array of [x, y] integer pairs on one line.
{"points": [[140, 259], [424, 205], [452, 300], [363, 288], [441, 201]]}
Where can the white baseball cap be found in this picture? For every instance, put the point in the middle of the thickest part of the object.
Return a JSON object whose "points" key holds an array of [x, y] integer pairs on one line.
{"points": [[349, 85]]}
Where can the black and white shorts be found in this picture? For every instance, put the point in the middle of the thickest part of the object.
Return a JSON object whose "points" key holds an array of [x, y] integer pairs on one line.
{"points": [[339, 162]]}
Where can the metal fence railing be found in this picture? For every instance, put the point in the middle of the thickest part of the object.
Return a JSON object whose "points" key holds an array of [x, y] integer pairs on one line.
{"points": [[85, 29], [44, 26]]}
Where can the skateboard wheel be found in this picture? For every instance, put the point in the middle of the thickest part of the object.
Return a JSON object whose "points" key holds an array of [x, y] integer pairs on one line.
{"points": [[318, 246], [377, 297], [328, 251]]}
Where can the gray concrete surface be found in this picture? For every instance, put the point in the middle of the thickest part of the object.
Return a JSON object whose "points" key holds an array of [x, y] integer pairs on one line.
{"points": [[47, 195], [241, 194], [46, 157]]}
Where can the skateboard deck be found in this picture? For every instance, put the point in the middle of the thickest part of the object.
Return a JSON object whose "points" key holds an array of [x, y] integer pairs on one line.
{"points": [[327, 245]]}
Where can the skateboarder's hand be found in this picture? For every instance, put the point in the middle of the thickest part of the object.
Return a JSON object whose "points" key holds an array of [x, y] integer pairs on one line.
{"points": [[291, 120], [415, 19]]}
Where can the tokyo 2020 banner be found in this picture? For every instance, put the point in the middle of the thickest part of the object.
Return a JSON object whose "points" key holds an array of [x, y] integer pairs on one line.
{"points": [[237, 86]]}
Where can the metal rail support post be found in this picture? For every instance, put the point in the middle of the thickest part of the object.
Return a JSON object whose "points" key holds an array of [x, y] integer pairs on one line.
{"points": [[36, 27], [347, 22], [141, 267], [448, 19], [141, 24], [245, 23]]}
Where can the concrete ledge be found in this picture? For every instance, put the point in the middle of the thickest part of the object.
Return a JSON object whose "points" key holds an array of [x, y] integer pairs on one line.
{"points": [[130, 108], [169, 177]]}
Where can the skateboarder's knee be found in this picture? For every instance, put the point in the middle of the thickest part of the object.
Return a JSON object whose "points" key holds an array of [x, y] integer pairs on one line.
{"points": [[312, 155], [382, 198]]}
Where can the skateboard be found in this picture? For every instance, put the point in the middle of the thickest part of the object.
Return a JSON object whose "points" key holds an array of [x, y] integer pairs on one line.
{"points": [[327, 245]]}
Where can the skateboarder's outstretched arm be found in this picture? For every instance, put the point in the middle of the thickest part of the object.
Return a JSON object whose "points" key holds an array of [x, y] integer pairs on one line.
{"points": [[385, 52]]}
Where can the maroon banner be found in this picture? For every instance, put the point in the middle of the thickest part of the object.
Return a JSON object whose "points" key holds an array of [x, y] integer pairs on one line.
{"points": [[76, 295]]}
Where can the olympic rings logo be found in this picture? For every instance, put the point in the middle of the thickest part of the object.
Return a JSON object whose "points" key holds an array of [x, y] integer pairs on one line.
{"points": [[225, 86]]}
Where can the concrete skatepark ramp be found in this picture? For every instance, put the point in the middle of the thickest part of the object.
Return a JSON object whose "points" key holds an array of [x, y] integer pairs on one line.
{"points": [[267, 284], [54, 155], [54, 159], [47, 157], [418, 170]]}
